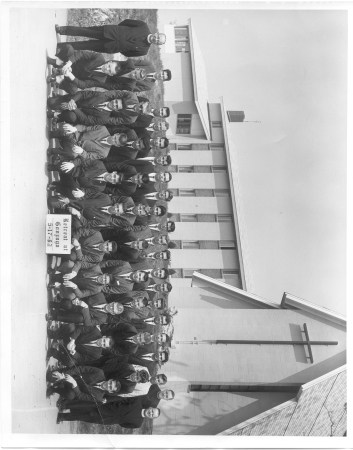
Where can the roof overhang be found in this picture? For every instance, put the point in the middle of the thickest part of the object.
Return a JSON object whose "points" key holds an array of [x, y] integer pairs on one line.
{"points": [[203, 281], [289, 301], [236, 201], [199, 81]]}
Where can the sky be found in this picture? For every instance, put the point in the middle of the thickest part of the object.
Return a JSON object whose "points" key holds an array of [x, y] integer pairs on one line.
{"points": [[287, 69]]}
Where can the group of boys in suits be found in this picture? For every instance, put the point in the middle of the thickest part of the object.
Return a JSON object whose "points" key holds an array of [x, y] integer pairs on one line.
{"points": [[111, 169]]}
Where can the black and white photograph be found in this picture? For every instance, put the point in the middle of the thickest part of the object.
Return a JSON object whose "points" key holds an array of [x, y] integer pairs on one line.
{"points": [[174, 224]]}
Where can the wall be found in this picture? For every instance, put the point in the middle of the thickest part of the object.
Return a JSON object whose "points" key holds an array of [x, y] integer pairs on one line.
{"points": [[200, 181], [201, 205], [203, 231], [238, 364], [190, 158], [205, 259]]}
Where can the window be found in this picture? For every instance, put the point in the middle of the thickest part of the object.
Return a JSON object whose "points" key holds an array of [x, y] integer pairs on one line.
{"points": [[219, 169], [188, 218], [182, 43], [187, 273], [183, 123], [184, 147], [187, 192], [224, 218], [236, 116], [216, 124], [217, 146], [229, 275], [227, 245], [185, 169], [221, 192], [190, 245]]}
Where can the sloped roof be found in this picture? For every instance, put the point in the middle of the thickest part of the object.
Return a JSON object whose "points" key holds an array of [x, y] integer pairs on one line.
{"points": [[320, 409], [199, 81], [235, 189], [290, 301], [201, 280]]}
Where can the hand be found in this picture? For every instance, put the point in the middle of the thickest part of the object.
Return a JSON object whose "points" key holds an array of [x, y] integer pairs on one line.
{"points": [[72, 105], [74, 211], [76, 149], [76, 302], [68, 276], [58, 376], [75, 242], [70, 284], [64, 105], [64, 200], [68, 129], [71, 344], [66, 70], [104, 400], [66, 65], [67, 166], [69, 74], [70, 380], [77, 193]]}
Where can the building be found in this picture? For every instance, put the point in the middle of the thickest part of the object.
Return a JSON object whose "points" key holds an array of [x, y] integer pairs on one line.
{"points": [[206, 202], [221, 386]]}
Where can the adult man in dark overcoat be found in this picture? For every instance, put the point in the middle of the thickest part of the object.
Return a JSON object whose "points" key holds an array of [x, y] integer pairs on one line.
{"points": [[130, 38]]}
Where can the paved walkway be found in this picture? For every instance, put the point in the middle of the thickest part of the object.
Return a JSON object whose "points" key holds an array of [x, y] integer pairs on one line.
{"points": [[32, 412]]}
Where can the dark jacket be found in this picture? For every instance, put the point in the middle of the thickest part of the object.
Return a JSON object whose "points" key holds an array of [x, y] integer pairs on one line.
{"points": [[150, 399], [129, 37], [94, 216], [88, 255], [82, 336], [88, 111], [86, 286], [121, 333], [127, 187], [84, 63], [127, 234], [86, 378], [127, 415]]}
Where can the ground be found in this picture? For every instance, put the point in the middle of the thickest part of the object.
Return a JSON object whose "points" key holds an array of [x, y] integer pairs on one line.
{"points": [[32, 412]]}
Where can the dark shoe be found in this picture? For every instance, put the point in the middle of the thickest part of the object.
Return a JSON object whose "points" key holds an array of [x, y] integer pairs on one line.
{"points": [[58, 29], [51, 61], [50, 391], [54, 124], [52, 167], [51, 79], [50, 353], [53, 307], [50, 188], [49, 317], [57, 298], [50, 115], [61, 403], [59, 418]]}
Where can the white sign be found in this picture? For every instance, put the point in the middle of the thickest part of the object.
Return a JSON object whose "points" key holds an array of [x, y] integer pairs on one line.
{"points": [[58, 233]]}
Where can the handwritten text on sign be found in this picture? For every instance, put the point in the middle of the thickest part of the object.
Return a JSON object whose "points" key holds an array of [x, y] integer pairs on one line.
{"points": [[58, 233]]}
